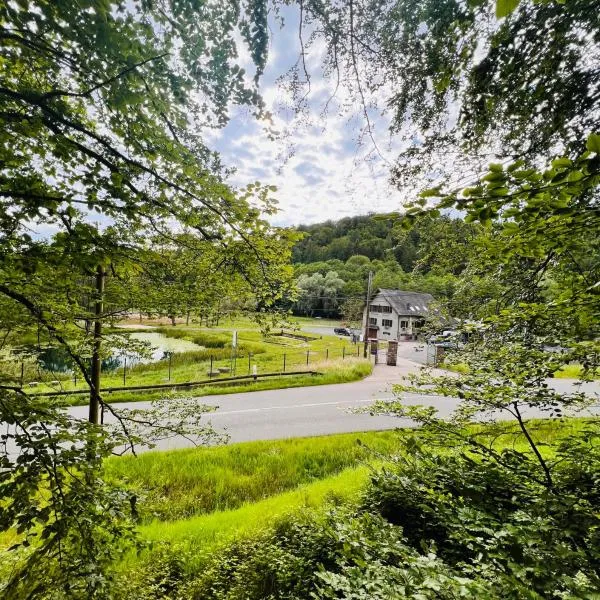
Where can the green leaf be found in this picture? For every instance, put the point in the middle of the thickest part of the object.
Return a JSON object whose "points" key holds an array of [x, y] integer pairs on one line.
{"points": [[559, 163], [593, 143], [575, 176], [505, 7], [431, 192]]}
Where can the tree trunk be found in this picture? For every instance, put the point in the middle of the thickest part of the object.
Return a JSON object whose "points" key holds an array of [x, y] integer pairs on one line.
{"points": [[94, 414]]}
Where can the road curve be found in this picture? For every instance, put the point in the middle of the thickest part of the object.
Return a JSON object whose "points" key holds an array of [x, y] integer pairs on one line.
{"points": [[318, 410]]}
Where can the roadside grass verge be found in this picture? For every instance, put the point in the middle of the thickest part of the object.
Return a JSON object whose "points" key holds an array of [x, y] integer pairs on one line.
{"points": [[574, 372], [571, 371], [544, 432], [203, 533], [180, 484], [263, 502], [197, 499], [334, 371]]}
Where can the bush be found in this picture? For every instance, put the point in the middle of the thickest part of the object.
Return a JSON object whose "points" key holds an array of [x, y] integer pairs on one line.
{"points": [[498, 519], [453, 525], [340, 555]]}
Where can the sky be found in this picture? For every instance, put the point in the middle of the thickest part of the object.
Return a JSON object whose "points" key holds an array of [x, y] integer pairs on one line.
{"points": [[318, 164]]}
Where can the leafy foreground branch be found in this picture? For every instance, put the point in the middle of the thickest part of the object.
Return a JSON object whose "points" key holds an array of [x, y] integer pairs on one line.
{"points": [[70, 524]]}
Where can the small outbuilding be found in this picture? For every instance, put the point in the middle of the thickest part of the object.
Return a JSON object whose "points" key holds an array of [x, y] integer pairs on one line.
{"points": [[396, 315]]}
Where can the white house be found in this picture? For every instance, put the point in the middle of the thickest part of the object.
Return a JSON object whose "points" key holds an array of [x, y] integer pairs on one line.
{"points": [[396, 315]]}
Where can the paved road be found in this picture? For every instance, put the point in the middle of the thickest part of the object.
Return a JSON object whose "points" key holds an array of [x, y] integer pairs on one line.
{"points": [[293, 412], [317, 410]]}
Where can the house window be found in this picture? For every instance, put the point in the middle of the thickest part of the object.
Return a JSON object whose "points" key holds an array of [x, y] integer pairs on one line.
{"points": [[386, 322], [403, 324], [372, 321], [381, 309]]}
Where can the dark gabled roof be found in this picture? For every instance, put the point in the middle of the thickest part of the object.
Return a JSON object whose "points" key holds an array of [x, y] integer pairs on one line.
{"points": [[407, 303]]}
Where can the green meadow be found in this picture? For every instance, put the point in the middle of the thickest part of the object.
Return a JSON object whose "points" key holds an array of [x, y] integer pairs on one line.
{"points": [[200, 498], [319, 360]]}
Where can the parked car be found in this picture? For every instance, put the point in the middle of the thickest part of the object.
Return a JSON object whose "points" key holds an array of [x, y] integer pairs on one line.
{"points": [[449, 339], [342, 331]]}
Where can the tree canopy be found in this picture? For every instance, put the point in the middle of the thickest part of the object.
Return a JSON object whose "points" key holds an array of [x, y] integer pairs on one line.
{"points": [[464, 81], [103, 105], [103, 112]]}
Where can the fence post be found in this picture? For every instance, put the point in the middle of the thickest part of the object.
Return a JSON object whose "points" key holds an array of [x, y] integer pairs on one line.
{"points": [[249, 359], [170, 357], [22, 372], [211, 368], [343, 352], [327, 354], [358, 352], [307, 353], [124, 369], [284, 362]]}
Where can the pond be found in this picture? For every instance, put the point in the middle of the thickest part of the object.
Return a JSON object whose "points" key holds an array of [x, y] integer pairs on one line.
{"points": [[56, 360]]}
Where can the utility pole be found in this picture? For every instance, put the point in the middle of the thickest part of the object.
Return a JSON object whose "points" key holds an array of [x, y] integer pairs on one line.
{"points": [[94, 416], [366, 342]]}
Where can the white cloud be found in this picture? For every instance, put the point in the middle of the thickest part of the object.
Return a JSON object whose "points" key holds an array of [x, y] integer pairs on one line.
{"points": [[321, 167]]}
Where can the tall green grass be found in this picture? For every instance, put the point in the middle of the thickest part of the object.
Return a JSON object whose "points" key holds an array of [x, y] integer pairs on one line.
{"points": [[203, 532], [183, 483], [321, 459]]}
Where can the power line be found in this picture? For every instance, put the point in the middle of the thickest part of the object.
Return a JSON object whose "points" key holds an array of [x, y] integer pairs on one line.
{"points": [[332, 297]]}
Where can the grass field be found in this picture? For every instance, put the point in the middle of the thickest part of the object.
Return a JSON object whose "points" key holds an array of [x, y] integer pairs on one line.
{"points": [[199, 499], [336, 358], [332, 371]]}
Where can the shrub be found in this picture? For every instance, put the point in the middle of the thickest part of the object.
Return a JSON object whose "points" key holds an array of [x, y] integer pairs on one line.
{"points": [[485, 517]]}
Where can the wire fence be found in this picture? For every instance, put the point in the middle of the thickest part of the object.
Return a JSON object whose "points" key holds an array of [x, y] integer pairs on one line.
{"points": [[185, 367], [293, 360]]}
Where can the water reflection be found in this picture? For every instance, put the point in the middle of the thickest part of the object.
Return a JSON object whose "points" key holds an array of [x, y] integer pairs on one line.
{"points": [[52, 359], [156, 347]]}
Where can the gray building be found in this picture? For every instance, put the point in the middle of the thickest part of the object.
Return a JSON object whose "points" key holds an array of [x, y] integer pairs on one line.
{"points": [[396, 315]]}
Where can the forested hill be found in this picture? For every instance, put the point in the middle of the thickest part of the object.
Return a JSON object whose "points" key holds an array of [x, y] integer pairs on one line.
{"points": [[334, 259], [368, 235], [379, 237]]}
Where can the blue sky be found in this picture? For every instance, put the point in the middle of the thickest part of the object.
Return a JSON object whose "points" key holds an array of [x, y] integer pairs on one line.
{"points": [[317, 163]]}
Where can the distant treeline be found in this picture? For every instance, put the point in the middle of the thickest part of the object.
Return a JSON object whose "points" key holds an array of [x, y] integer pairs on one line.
{"points": [[333, 260], [381, 237]]}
